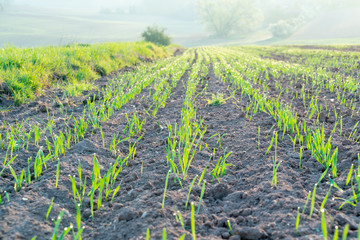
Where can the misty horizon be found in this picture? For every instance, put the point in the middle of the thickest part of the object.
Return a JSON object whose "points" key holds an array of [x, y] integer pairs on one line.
{"points": [[40, 22]]}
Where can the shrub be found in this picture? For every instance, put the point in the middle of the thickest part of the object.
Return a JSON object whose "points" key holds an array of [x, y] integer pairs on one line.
{"points": [[156, 35], [284, 28]]}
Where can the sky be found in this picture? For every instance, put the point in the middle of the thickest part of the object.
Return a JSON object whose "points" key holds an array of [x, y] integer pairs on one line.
{"points": [[76, 3], [96, 3]]}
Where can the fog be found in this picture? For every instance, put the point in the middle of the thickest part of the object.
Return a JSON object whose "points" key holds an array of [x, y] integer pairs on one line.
{"points": [[25, 23]]}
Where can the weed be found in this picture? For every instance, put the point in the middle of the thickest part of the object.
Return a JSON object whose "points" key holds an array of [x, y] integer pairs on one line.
{"points": [[216, 99]]}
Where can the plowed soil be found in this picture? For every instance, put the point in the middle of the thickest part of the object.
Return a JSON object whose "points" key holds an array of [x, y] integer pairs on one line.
{"points": [[245, 196]]}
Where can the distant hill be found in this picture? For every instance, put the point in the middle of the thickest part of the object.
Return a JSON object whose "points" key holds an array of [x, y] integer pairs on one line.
{"points": [[343, 23], [28, 26]]}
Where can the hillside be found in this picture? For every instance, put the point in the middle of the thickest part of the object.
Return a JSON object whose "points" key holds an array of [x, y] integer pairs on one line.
{"points": [[33, 26], [338, 24]]}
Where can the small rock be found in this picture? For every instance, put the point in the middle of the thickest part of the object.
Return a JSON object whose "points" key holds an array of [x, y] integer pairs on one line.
{"points": [[298, 85], [86, 214], [144, 215], [235, 237], [322, 117], [117, 206], [235, 213], [86, 202], [86, 146], [330, 119], [225, 235], [219, 191], [246, 212], [250, 233], [204, 154], [127, 214], [236, 196], [343, 219]]}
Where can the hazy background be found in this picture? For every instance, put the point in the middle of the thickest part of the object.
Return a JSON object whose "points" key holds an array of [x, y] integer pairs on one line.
{"points": [[25, 23]]}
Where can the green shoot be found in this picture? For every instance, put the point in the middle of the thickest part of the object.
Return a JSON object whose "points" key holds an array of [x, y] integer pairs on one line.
{"points": [[188, 196], [313, 201], [297, 221], [201, 196], [57, 173], [166, 184], [181, 220], [301, 153], [164, 234], [325, 199], [259, 138], [345, 232], [49, 209], [202, 176], [229, 225], [102, 137], [323, 224], [182, 237], [57, 225], [271, 143], [336, 233], [148, 234], [350, 174], [115, 191], [193, 221]]}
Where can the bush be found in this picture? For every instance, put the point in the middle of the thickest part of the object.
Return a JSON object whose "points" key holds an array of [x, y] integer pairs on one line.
{"points": [[156, 35], [284, 28]]}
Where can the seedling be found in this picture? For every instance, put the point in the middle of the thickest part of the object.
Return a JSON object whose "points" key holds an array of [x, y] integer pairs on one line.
{"points": [[49, 209], [57, 173], [193, 221], [148, 234], [188, 196], [350, 174], [220, 167], [345, 232], [325, 199], [229, 225], [323, 224], [201, 196], [179, 218], [313, 201], [259, 138], [297, 221], [166, 184]]}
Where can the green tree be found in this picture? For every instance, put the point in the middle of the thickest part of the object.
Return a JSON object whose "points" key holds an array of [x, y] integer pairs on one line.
{"points": [[3, 4], [156, 35], [224, 17]]}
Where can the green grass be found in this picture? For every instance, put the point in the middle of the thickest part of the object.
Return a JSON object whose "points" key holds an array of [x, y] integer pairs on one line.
{"points": [[26, 73]]}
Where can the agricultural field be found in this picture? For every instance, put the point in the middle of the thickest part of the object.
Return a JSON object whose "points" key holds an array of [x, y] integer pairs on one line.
{"points": [[213, 143], [26, 73]]}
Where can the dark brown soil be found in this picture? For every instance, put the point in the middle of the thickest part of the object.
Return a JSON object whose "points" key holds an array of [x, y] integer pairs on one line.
{"points": [[353, 48], [244, 196]]}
